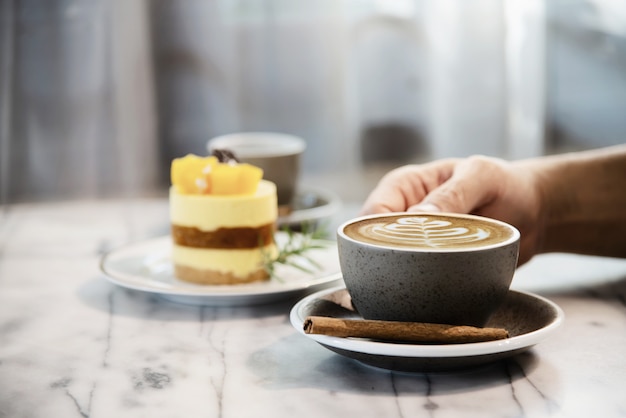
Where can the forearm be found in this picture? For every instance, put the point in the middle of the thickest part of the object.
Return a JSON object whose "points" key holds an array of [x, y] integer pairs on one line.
{"points": [[583, 199]]}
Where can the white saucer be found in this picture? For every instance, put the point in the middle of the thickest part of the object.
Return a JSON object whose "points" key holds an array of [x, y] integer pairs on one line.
{"points": [[527, 317], [311, 204], [146, 266]]}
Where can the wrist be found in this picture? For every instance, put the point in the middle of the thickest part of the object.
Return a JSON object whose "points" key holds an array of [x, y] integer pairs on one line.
{"points": [[582, 203]]}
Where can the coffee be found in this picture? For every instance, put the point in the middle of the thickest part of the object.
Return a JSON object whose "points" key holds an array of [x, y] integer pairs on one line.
{"points": [[429, 232]]}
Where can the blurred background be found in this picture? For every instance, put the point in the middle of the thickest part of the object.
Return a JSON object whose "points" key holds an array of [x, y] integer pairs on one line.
{"points": [[97, 96]]}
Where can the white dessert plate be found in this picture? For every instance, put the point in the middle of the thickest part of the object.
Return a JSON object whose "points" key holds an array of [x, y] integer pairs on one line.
{"points": [[527, 317], [146, 266], [311, 204]]}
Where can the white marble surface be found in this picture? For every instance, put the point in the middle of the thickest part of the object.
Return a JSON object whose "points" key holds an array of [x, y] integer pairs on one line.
{"points": [[74, 345]]}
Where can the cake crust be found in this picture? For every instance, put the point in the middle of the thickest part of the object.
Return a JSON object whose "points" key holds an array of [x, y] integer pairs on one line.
{"points": [[214, 277]]}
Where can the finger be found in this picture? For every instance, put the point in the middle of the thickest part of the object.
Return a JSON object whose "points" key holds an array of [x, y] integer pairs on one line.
{"points": [[473, 184], [384, 200], [389, 194], [405, 186]]}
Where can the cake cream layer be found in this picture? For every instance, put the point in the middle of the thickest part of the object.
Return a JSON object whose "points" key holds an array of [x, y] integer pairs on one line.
{"points": [[239, 262], [209, 212]]}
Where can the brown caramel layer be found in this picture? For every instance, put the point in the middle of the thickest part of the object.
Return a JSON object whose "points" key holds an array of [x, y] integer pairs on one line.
{"points": [[228, 238], [190, 274]]}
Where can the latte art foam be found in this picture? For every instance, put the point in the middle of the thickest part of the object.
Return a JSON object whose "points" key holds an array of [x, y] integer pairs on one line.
{"points": [[429, 232], [426, 233]]}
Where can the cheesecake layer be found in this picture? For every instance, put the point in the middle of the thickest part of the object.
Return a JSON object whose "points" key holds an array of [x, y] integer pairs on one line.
{"points": [[210, 212], [238, 262]]}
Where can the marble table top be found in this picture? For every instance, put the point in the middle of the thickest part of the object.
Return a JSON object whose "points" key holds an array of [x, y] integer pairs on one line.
{"points": [[72, 344]]}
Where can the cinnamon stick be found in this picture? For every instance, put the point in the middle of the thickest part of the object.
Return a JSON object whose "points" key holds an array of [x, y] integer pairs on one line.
{"points": [[396, 331]]}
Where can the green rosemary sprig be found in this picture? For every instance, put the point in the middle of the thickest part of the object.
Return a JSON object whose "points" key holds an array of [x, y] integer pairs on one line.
{"points": [[294, 252]]}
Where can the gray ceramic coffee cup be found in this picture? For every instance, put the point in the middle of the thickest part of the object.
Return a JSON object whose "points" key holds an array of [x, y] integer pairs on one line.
{"points": [[435, 268], [276, 153]]}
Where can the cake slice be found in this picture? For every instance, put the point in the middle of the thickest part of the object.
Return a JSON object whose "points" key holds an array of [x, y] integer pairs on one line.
{"points": [[223, 217]]}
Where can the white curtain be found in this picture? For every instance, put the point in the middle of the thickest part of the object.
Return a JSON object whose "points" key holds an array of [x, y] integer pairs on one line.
{"points": [[98, 96], [78, 106]]}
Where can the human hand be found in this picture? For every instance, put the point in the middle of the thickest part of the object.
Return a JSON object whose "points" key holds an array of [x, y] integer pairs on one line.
{"points": [[478, 185]]}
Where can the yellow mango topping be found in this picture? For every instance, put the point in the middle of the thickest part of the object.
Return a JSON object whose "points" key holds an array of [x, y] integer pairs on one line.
{"points": [[190, 174], [206, 175], [235, 179]]}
